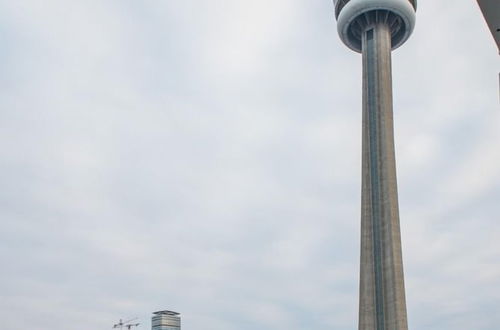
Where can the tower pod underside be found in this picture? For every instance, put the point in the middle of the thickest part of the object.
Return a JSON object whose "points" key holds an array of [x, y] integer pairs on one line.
{"points": [[354, 16]]}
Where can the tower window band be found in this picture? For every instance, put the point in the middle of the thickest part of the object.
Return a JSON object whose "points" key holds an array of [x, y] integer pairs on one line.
{"points": [[341, 3]]}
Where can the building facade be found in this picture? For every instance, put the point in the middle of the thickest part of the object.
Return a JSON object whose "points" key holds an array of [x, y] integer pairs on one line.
{"points": [[166, 320], [491, 12]]}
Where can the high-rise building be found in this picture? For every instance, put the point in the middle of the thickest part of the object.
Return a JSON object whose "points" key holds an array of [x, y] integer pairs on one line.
{"points": [[374, 28], [491, 12], [166, 320]]}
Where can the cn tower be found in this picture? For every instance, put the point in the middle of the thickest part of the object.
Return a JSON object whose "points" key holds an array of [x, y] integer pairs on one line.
{"points": [[374, 28]]}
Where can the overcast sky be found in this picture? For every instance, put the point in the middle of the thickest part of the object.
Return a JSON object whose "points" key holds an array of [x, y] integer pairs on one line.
{"points": [[204, 157]]}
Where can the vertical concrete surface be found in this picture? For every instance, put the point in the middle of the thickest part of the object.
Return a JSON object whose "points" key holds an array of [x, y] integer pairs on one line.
{"points": [[382, 303]]}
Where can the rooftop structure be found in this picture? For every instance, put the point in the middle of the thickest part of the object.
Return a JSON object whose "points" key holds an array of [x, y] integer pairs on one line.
{"points": [[166, 320]]}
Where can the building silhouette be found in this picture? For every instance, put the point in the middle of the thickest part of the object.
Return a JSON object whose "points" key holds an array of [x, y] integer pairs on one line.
{"points": [[491, 12]]}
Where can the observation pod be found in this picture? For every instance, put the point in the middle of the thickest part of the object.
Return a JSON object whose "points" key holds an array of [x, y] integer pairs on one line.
{"points": [[353, 16]]}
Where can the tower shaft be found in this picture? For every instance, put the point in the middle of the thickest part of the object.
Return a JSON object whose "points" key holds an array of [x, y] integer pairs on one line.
{"points": [[382, 303]]}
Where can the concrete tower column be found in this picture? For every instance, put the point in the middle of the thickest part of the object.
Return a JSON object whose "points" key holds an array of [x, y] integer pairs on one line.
{"points": [[382, 295], [374, 28]]}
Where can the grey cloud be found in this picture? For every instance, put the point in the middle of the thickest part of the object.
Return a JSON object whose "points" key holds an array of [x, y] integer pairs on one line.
{"points": [[204, 157]]}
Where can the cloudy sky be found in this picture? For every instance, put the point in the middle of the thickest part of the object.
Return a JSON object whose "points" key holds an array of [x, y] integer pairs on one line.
{"points": [[204, 156]]}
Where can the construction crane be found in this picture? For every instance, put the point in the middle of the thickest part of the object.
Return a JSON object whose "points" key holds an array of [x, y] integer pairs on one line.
{"points": [[130, 325], [121, 324]]}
